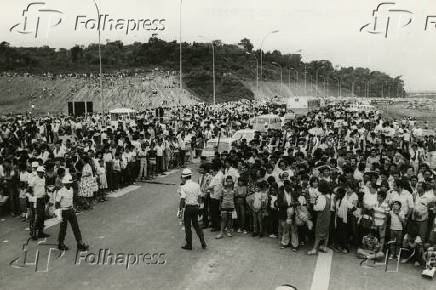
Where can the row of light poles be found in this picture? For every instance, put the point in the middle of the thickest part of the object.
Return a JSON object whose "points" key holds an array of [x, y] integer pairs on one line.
{"points": [[257, 66]]}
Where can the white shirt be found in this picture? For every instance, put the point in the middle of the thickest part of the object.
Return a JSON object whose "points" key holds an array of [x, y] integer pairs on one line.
{"points": [[65, 197], [369, 199], [320, 203], [38, 186], [217, 185], [190, 191], [396, 224]]}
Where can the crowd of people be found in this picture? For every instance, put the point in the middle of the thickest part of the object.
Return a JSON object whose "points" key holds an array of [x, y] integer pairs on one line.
{"points": [[336, 178], [36, 153]]}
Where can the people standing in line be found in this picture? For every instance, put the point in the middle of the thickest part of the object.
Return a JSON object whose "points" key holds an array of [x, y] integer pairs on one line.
{"points": [[240, 204], [37, 198], [142, 155], [322, 207], [88, 184], [215, 189], [227, 206], [204, 181]]}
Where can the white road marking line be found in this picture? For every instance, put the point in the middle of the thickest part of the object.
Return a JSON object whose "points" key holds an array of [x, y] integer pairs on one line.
{"points": [[321, 275], [51, 222], [124, 191]]}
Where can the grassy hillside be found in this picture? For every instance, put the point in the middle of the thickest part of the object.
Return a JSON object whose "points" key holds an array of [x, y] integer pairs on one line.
{"points": [[235, 68]]}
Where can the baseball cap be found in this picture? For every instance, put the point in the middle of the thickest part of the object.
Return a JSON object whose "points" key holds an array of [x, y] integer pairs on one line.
{"points": [[40, 169]]}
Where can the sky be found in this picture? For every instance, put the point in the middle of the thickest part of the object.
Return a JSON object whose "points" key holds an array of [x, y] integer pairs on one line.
{"points": [[321, 29]]}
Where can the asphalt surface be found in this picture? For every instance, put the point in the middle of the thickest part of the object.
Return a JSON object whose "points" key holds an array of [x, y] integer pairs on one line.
{"points": [[144, 221]]}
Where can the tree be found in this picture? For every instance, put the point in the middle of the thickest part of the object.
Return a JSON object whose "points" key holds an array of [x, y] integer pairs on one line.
{"points": [[76, 52], [217, 43], [246, 44]]}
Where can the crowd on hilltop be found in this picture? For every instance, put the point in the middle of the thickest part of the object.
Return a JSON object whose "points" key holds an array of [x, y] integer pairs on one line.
{"points": [[334, 178], [87, 75]]}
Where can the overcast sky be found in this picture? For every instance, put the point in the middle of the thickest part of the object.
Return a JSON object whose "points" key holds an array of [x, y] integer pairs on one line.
{"points": [[322, 29]]}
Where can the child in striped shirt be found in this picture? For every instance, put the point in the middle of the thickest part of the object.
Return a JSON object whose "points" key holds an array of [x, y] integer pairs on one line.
{"points": [[381, 210]]}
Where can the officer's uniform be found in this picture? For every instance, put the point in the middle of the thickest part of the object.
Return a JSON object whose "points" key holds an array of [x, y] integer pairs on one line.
{"points": [[190, 192], [64, 199]]}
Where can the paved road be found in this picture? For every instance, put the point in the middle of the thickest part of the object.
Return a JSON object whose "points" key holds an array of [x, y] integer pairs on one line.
{"points": [[144, 221]]}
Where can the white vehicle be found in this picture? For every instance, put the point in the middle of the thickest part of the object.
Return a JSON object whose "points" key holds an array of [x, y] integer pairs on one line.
{"points": [[247, 134], [361, 107], [289, 116], [265, 122], [302, 105], [225, 144], [123, 116]]}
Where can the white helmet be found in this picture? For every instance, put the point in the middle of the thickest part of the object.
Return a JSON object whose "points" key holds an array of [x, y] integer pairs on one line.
{"points": [[186, 172]]}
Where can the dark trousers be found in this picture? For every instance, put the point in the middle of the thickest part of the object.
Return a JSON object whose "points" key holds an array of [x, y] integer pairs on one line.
{"points": [[332, 229], [14, 201], [191, 217], [214, 205], [240, 211], [273, 221], [37, 217], [205, 211], [182, 157], [116, 179], [159, 161], [343, 233], [69, 215], [109, 175]]}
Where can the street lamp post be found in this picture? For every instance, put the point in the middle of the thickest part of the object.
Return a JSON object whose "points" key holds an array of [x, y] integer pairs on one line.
{"points": [[261, 51], [296, 76], [257, 71], [99, 57], [352, 87], [340, 86], [305, 80], [289, 80], [281, 76], [213, 68], [325, 84], [316, 74], [367, 89], [180, 45]]}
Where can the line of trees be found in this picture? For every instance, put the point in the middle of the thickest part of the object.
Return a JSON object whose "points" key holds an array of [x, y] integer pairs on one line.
{"points": [[234, 64]]}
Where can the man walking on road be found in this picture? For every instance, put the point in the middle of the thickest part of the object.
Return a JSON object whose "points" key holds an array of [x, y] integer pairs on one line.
{"points": [[190, 194]]}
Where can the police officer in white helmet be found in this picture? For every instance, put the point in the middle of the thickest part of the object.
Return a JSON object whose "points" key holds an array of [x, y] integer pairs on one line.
{"points": [[65, 211], [190, 193]]}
